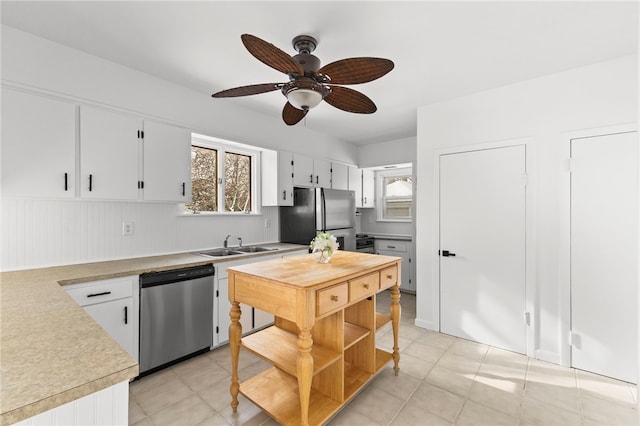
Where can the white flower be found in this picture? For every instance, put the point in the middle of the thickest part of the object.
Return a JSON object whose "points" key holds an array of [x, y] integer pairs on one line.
{"points": [[326, 242]]}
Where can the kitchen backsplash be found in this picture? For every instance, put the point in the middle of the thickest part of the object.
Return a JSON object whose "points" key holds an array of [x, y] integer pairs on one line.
{"points": [[41, 233]]}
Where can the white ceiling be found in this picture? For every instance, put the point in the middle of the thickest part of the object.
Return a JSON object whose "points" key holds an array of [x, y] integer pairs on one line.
{"points": [[441, 50]]}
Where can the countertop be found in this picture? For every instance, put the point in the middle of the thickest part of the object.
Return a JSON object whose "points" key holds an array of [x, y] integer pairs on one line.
{"points": [[51, 351], [398, 237]]}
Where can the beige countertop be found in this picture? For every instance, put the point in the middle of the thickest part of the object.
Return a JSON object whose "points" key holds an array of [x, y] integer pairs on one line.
{"points": [[51, 351]]}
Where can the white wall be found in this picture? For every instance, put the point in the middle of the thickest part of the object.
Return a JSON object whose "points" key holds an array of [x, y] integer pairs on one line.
{"points": [[39, 233], [545, 110], [392, 152]]}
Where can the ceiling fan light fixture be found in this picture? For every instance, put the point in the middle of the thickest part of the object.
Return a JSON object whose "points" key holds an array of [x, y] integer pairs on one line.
{"points": [[304, 98]]}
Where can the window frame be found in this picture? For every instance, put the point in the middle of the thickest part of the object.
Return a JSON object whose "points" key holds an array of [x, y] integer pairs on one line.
{"points": [[380, 194], [222, 147]]}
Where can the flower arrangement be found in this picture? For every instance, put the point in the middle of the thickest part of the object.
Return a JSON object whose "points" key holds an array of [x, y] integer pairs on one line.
{"points": [[323, 246]]}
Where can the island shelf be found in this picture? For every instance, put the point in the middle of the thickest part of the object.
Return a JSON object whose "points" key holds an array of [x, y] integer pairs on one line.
{"points": [[322, 344]]}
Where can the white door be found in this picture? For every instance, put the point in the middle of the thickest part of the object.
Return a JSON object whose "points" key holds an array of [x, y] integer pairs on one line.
{"points": [[604, 255], [482, 243]]}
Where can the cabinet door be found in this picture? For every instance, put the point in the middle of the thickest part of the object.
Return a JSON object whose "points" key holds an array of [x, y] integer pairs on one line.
{"points": [[222, 308], [167, 163], [38, 146], [355, 184], [285, 179], [339, 176], [322, 173], [368, 188], [116, 317], [109, 144], [303, 174]]}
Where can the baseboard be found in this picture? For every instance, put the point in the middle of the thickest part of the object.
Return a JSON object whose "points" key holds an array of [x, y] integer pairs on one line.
{"points": [[548, 356], [425, 324]]}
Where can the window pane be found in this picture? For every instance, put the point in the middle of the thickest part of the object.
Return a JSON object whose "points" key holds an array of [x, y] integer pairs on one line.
{"points": [[398, 191], [204, 178], [237, 172]]}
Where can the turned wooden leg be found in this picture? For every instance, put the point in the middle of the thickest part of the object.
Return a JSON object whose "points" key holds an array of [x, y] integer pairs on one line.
{"points": [[235, 333], [304, 368], [395, 322]]}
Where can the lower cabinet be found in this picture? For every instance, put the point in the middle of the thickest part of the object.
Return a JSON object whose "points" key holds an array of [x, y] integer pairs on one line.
{"points": [[114, 304], [403, 249], [109, 406]]}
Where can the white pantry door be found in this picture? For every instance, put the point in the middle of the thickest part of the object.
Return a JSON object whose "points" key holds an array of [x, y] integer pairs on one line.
{"points": [[604, 255], [482, 243]]}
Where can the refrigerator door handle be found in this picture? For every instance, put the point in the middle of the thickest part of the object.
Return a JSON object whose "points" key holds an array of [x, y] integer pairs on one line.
{"points": [[324, 210]]}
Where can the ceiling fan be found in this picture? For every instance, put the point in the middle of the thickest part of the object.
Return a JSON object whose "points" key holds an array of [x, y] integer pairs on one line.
{"points": [[309, 84]]}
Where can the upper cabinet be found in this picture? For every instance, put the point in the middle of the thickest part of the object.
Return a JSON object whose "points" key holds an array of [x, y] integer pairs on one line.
{"points": [[167, 162], [310, 172], [38, 146], [277, 178], [368, 188], [339, 176], [362, 182], [109, 145]]}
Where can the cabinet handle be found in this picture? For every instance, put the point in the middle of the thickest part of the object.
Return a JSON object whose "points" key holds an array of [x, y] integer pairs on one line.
{"points": [[334, 298], [284, 195], [364, 200], [316, 179], [104, 293], [90, 183], [366, 286], [391, 247], [183, 188], [126, 316], [389, 276], [311, 178], [66, 183]]}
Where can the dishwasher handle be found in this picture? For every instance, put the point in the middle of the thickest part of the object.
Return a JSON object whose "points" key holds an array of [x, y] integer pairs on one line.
{"points": [[152, 279]]}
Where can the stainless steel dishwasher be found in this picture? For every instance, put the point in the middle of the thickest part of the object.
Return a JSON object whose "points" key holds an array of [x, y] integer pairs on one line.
{"points": [[176, 315]]}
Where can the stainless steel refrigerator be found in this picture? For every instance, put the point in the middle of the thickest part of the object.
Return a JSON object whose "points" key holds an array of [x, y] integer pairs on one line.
{"points": [[319, 210]]}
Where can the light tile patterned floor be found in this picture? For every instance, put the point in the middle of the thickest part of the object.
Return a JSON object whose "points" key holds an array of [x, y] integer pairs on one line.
{"points": [[443, 380]]}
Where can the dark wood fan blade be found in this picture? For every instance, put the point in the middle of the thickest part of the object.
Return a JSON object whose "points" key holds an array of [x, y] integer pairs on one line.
{"points": [[350, 100], [270, 55], [356, 70], [292, 115], [253, 89]]}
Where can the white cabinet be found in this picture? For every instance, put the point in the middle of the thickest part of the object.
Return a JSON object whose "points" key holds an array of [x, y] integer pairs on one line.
{"points": [[277, 178], [167, 162], [38, 146], [362, 181], [355, 184], [403, 249], [109, 144], [339, 176], [114, 304], [368, 188], [309, 172]]}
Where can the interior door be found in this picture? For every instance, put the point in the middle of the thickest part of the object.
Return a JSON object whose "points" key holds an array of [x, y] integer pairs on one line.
{"points": [[604, 255], [482, 246]]}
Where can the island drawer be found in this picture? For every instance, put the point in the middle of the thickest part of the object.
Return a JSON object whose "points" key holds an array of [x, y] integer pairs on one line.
{"points": [[364, 286], [331, 298], [388, 277]]}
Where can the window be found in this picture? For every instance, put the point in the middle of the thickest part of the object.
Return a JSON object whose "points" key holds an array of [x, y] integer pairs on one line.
{"points": [[223, 176], [395, 190]]}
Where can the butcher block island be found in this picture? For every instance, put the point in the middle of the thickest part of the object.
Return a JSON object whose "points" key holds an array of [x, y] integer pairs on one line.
{"points": [[322, 344]]}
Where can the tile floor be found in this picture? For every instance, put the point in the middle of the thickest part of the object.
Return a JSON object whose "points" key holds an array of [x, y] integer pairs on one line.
{"points": [[443, 380]]}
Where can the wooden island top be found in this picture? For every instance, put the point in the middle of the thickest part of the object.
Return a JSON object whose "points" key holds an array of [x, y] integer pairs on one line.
{"points": [[322, 343]]}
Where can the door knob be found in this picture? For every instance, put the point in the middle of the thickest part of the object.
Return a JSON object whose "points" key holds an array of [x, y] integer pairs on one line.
{"points": [[447, 253]]}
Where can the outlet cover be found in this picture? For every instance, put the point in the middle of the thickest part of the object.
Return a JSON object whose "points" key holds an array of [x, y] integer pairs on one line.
{"points": [[127, 228]]}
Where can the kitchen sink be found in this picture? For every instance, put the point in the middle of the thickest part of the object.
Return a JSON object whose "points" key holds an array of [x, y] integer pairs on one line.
{"points": [[220, 252], [253, 249]]}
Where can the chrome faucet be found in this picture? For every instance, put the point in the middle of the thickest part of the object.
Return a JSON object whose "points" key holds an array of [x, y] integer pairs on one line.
{"points": [[226, 241], [239, 241]]}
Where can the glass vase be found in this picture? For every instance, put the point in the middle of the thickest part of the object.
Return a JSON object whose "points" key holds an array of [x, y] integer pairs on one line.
{"points": [[321, 256]]}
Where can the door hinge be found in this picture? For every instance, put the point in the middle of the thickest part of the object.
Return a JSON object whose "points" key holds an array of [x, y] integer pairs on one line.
{"points": [[527, 318], [575, 339]]}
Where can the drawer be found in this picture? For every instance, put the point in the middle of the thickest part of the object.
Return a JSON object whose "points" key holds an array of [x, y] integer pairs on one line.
{"points": [[365, 286], [332, 298], [101, 291], [392, 246], [388, 277]]}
